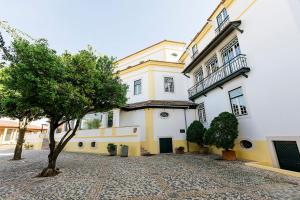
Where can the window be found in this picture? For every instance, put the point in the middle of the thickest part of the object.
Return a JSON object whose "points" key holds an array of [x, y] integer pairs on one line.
{"points": [[110, 118], [194, 50], [138, 87], [164, 114], [8, 135], [212, 65], [199, 75], [91, 121], [231, 50], [246, 144], [201, 113], [222, 17], [169, 84], [237, 102]]}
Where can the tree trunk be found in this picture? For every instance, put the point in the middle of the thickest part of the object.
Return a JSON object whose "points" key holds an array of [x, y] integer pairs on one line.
{"points": [[19, 145], [51, 170]]}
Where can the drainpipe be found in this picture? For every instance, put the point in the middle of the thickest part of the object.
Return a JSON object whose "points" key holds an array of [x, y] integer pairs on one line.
{"points": [[187, 143]]}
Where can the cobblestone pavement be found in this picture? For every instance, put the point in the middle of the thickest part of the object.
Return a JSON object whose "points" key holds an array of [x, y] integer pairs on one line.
{"points": [[87, 176]]}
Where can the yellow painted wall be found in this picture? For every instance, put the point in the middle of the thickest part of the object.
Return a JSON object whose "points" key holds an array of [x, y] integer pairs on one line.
{"points": [[134, 148], [259, 152], [182, 143]]}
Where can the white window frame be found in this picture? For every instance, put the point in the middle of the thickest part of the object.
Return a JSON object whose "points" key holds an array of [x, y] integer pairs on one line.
{"points": [[212, 65], [237, 112], [230, 48], [169, 89], [199, 75], [202, 113], [138, 91]]}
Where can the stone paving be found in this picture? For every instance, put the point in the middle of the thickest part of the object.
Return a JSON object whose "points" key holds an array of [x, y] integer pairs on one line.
{"points": [[191, 177]]}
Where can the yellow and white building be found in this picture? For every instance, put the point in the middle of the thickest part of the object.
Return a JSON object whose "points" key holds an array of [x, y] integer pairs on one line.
{"points": [[157, 113], [9, 131], [245, 60]]}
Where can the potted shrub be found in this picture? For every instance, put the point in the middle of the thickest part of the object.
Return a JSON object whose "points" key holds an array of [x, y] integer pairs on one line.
{"points": [[28, 146], [195, 134], [179, 150], [222, 133], [112, 149]]}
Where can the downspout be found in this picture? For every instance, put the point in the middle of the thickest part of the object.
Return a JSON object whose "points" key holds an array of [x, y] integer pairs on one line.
{"points": [[187, 143]]}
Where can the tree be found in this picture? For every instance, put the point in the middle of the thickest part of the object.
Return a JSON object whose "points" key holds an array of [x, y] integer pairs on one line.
{"points": [[223, 131], [195, 133], [14, 106], [12, 103], [65, 88], [89, 85]]}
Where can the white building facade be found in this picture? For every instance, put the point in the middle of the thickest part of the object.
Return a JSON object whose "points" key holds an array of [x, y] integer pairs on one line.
{"points": [[244, 61], [157, 113]]}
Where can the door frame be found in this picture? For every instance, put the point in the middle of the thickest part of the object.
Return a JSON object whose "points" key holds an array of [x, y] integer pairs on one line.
{"points": [[164, 137], [272, 149]]}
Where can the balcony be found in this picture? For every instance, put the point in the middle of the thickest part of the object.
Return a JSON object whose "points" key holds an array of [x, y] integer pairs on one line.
{"points": [[222, 25], [234, 68]]}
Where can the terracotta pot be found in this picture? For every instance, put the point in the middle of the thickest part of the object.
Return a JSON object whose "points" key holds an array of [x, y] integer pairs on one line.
{"points": [[203, 150], [228, 155], [177, 151]]}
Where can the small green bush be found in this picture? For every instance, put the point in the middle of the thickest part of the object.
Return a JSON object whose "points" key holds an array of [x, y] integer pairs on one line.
{"points": [[195, 133], [112, 149], [223, 131]]}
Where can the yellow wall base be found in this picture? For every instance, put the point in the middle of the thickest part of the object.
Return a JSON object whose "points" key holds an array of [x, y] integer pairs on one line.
{"points": [[176, 143], [259, 152], [134, 148]]}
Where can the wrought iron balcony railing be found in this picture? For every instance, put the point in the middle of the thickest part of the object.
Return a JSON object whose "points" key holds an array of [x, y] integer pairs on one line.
{"points": [[222, 25], [235, 67]]}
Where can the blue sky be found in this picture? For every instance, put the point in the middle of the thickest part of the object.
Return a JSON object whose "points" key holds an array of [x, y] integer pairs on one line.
{"points": [[114, 27]]}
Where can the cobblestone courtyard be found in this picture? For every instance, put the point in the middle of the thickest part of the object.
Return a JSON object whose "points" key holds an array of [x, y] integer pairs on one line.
{"points": [[86, 176]]}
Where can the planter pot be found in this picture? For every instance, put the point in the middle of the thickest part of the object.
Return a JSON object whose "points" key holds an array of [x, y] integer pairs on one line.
{"points": [[203, 150], [112, 152], [228, 155], [124, 151], [177, 151]]}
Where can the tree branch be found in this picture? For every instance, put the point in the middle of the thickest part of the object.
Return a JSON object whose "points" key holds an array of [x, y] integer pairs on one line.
{"points": [[61, 144]]}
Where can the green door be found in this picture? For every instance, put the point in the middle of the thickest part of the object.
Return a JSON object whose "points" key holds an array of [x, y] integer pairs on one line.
{"points": [[165, 145], [288, 155]]}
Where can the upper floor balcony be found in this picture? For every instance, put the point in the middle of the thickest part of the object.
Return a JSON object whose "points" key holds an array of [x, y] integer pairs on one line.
{"points": [[222, 24], [230, 70]]}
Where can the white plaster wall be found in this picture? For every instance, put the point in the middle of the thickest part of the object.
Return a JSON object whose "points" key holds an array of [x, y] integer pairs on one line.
{"points": [[134, 118], [271, 41], [180, 85], [129, 79], [170, 127], [161, 53]]}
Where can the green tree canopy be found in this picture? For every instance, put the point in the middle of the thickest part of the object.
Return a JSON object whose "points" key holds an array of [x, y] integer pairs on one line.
{"points": [[223, 131], [13, 103], [195, 132], [64, 87]]}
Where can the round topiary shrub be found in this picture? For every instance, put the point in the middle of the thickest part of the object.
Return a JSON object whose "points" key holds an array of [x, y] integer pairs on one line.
{"points": [[195, 133], [223, 131]]}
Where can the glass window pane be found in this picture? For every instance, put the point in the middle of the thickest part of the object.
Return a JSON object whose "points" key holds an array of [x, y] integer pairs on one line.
{"points": [[235, 93], [169, 84], [8, 135]]}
